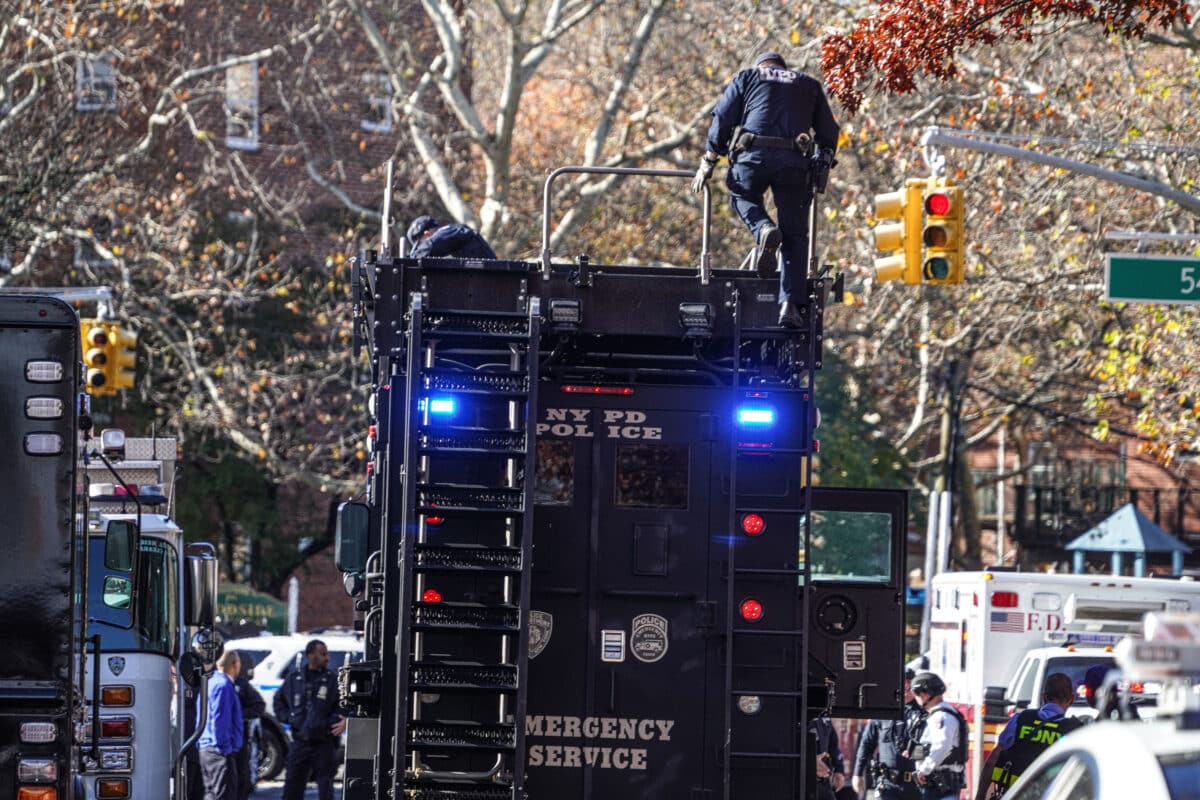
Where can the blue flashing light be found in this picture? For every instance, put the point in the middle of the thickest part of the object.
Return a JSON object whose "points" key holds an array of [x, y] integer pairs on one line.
{"points": [[441, 405], [755, 415]]}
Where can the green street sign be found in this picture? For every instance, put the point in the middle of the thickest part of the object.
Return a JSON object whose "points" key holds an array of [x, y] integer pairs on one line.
{"points": [[1138, 278], [237, 603]]}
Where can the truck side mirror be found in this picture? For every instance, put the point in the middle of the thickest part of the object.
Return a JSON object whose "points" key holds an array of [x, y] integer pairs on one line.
{"points": [[200, 586], [120, 545], [351, 542], [995, 704]]}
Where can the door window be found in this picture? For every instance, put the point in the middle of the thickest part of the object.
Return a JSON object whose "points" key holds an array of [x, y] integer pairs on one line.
{"points": [[652, 476], [851, 546]]}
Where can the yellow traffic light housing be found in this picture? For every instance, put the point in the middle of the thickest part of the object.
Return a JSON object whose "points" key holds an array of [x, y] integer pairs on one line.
{"points": [[901, 237], [123, 360], [943, 232], [95, 343]]}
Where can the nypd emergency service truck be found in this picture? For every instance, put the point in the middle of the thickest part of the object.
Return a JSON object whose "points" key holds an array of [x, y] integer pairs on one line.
{"points": [[592, 563]]}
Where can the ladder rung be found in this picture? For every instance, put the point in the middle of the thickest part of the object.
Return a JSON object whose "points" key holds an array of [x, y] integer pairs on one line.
{"points": [[440, 791], [767, 632], [481, 677], [765, 571], [768, 510], [465, 617], [767, 693], [461, 736]]}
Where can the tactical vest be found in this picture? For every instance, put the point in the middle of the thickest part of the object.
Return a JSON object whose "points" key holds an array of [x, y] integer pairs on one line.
{"points": [[957, 756], [1034, 735]]}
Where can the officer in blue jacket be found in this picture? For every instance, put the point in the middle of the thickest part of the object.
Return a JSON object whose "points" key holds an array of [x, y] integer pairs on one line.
{"points": [[766, 123], [431, 239], [308, 702]]}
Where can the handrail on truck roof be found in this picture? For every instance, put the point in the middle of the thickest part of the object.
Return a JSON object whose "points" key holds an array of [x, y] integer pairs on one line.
{"points": [[705, 266]]}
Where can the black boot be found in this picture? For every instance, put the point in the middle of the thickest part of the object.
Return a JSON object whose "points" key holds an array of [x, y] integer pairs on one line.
{"points": [[790, 316], [768, 240]]}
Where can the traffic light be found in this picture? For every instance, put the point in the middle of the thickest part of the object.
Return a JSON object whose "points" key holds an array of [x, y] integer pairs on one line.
{"points": [[123, 356], [902, 237], [943, 233], [95, 342]]}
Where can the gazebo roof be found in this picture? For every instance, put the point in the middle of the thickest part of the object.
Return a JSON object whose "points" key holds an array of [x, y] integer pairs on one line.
{"points": [[1128, 530]]}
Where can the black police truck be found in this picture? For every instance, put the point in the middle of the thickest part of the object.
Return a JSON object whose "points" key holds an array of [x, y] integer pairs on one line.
{"points": [[592, 562]]}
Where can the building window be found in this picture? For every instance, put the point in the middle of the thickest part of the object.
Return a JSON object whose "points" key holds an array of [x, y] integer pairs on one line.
{"points": [[985, 491], [95, 84], [377, 103], [241, 106]]}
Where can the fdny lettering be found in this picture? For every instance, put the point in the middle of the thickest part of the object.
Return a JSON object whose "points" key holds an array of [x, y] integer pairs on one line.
{"points": [[569, 756], [576, 423], [1040, 735], [777, 75], [1043, 621]]}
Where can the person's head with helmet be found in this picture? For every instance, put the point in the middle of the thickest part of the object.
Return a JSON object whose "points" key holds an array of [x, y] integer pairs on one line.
{"points": [[421, 227], [928, 688]]}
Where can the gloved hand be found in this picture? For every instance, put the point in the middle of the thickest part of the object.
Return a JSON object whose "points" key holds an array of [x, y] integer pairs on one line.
{"points": [[704, 172]]}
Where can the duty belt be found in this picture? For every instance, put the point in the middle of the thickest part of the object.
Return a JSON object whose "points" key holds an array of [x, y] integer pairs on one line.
{"points": [[746, 140], [895, 775]]}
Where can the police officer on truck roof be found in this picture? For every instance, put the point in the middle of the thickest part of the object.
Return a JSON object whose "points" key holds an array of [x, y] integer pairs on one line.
{"points": [[892, 770], [429, 238], [765, 122], [1028, 734], [308, 702], [938, 743]]}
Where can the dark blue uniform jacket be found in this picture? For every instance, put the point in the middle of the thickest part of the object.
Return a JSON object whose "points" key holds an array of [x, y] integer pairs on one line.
{"points": [[772, 101], [453, 241]]}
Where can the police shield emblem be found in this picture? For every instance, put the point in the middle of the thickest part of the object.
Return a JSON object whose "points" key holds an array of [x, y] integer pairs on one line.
{"points": [[648, 640], [116, 664], [541, 625]]}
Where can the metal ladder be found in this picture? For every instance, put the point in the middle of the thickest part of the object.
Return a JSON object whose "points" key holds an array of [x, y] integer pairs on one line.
{"points": [[807, 342], [466, 553]]}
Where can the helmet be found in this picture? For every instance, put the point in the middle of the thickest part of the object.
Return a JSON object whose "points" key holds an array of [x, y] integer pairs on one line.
{"points": [[928, 683], [419, 226], [909, 674]]}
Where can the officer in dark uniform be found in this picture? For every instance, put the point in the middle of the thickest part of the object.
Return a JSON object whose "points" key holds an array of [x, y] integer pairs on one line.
{"points": [[763, 123], [1027, 736], [892, 771], [938, 742], [308, 702], [428, 238]]}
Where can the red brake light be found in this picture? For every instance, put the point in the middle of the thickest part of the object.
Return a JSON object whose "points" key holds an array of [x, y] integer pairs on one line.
{"points": [[1005, 600], [753, 524], [938, 204], [1137, 688], [431, 596], [116, 728], [752, 610]]}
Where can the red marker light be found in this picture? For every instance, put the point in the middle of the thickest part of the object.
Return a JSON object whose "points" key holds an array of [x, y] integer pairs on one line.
{"points": [[1004, 600], [431, 596], [752, 610], [753, 524], [434, 520]]}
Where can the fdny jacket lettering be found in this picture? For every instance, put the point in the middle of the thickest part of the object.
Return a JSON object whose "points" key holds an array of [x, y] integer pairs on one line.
{"points": [[577, 423]]}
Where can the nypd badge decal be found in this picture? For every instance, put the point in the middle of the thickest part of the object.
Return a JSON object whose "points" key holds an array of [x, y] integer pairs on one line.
{"points": [[648, 638], [116, 664], [541, 625]]}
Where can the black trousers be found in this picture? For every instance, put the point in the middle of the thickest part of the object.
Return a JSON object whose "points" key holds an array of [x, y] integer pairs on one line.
{"points": [[220, 775], [310, 761]]}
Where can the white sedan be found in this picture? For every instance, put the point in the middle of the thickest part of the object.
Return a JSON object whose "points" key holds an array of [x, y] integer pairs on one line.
{"points": [[1116, 761]]}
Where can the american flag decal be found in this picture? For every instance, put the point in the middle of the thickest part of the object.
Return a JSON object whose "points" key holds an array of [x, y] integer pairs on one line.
{"points": [[1007, 622]]}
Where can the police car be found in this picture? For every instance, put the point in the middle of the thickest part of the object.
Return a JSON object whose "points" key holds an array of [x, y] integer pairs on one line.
{"points": [[1150, 761], [274, 658]]}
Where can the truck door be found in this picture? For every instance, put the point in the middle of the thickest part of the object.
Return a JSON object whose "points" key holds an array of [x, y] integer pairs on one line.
{"points": [[856, 604], [616, 690]]}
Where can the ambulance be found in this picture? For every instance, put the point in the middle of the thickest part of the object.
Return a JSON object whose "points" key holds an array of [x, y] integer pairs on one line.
{"points": [[995, 636]]}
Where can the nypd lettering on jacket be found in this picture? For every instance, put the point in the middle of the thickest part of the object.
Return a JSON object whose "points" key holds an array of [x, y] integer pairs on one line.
{"points": [[594, 729], [582, 423], [777, 74]]}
